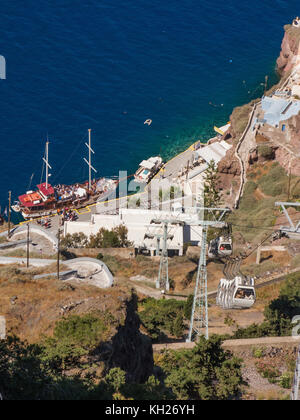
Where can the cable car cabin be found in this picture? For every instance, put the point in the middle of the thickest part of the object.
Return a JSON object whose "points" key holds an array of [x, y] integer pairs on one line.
{"points": [[244, 297], [220, 247], [238, 293]]}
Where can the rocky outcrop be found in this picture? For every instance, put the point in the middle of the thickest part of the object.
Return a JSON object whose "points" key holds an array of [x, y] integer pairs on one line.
{"points": [[288, 162], [289, 50], [294, 132], [132, 350], [229, 164]]}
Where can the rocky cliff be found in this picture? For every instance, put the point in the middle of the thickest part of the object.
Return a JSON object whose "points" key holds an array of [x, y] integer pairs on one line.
{"points": [[265, 142], [289, 50]]}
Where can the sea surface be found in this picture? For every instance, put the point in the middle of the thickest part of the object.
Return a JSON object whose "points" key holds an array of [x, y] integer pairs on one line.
{"points": [[110, 65]]}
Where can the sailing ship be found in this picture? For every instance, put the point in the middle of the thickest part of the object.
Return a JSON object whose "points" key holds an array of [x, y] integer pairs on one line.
{"points": [[48, 199]]}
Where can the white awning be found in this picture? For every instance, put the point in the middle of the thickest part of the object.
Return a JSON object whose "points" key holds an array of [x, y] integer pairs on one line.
{"points": [[214, 151], [146, 164], [81, 192]]}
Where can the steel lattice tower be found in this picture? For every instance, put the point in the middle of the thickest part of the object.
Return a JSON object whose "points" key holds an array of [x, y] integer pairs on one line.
{"points": [[163, 273], [199, 317], [162, 281]]}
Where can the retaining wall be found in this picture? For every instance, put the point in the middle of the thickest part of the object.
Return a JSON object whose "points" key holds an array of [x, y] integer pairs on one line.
{"points": [[125, 253]]}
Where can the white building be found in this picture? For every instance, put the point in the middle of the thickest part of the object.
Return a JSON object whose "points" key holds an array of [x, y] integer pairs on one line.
{"points": [[138, 223], [214, 151]]}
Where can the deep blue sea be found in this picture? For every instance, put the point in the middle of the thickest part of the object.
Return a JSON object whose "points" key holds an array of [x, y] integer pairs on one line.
{"points": [[109, 65]]}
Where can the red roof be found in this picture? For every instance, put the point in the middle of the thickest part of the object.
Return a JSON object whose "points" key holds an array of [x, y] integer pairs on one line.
{"points": [[46, 191], [27, 200]]}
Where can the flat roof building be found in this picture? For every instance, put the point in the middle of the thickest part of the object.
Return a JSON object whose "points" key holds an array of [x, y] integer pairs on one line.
{"points": [[140, 229]]}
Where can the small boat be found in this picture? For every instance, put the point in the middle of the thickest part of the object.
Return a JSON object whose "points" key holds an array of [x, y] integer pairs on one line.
{"points": [[47, 199], [148, 169]]}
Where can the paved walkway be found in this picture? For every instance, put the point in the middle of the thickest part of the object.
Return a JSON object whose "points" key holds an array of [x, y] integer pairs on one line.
{"points": [[173, 166], [275, 341], [90, 270], [36, 262]]}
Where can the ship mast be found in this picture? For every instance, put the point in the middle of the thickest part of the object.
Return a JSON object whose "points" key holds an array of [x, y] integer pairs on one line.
{"points": [[47, 163], [89, 162]]}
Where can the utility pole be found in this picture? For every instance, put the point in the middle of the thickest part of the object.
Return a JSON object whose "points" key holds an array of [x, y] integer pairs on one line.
{"points": [[289, 185], [58, 252], [9, 210], [27, 245]]}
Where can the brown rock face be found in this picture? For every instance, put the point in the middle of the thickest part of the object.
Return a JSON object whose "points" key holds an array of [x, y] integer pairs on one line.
{"points": [[253, 156], [289, 50], [229, 164], [289, 163], [294, 129]]}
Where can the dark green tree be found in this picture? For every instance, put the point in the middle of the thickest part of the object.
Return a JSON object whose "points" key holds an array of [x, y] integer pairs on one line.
{"points": [[24, 375], [115, 238], [161, 317], [212, 196], [207, 372]]}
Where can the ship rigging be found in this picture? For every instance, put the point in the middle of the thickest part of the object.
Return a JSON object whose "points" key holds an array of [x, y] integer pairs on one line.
{"points": [[47, 199]]}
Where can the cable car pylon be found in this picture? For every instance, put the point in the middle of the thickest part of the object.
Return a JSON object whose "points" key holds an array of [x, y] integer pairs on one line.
{"points": [[163, 281], [199, 316]]}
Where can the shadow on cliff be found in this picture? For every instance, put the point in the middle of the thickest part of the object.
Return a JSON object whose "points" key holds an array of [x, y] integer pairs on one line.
{"points": [[129, 349]]}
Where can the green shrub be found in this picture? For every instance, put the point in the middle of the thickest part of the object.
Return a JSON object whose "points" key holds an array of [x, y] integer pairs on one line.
{"points": [[86, 331], [115, 238], [240, 118], [258, 352], [275, 182], [265, 151], [73, 338], [247, 203], [112, 263], [285, 380], [76, 240], [250, 187], [207, 372], [188, 307], [164, 316], [268, 371]]}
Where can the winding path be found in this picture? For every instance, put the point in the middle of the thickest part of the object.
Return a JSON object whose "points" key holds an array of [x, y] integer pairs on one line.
{"points": [[95, 272]]}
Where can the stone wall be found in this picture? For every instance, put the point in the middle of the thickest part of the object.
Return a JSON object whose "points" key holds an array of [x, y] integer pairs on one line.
{"points": [[125, 253]]}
